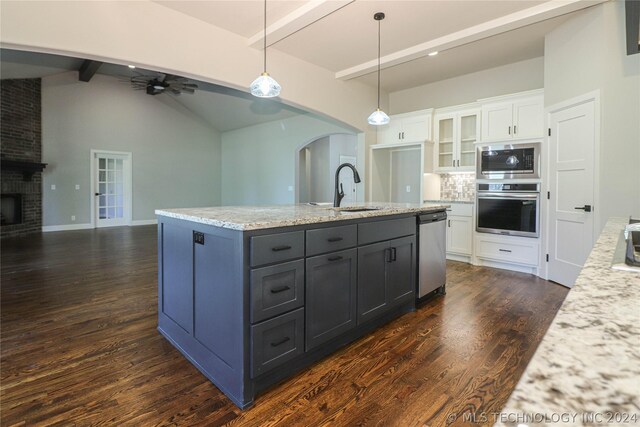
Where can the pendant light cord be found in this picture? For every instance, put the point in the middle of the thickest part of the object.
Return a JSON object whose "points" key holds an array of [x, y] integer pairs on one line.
{"points": [[378, 64], [265, 36]]}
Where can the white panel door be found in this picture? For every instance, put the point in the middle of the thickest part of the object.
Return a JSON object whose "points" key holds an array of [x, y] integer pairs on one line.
{"points": [[528, 119], [497, 120], [571, 181], [112, 189]]}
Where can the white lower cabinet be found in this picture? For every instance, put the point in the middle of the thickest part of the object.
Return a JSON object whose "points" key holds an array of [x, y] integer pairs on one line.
{"points": [[460, 232], [508, 252]]}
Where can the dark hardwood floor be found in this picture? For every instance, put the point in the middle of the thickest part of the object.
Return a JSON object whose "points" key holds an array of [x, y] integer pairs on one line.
{"points": [[79, 346]]}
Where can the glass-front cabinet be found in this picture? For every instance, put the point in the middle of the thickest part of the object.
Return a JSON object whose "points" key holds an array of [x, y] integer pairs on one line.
{"points": [[456, 135]]}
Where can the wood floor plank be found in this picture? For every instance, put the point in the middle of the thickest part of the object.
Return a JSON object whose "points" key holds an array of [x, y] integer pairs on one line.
{"points": [[79, 346]]}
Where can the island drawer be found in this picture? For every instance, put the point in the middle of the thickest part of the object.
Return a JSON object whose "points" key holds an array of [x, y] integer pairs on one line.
{"points": [[274, 248], [378, 231], [276, 289], [323, 240], [276, 341]]}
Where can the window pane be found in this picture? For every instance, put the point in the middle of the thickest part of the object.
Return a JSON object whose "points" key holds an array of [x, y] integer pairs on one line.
{"points": [[112, 200], [119, 164], [103, 213], [111, 176], [102, 189], [112, 212], [101, 163], [102, 201], [119, 176], [119, 188], [110, 164], [119, 200], [102, 176], [119, 212]]}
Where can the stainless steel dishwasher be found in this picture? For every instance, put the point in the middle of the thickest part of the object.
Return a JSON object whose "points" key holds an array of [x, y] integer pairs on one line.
{"points": [[432, 248]]}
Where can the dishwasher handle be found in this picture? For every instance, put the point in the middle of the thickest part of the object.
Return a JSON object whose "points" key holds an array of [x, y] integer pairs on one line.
{"points": [[432, 217]]}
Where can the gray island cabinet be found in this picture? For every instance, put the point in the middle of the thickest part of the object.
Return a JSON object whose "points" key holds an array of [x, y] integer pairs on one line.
{"points": [[251, 298]]}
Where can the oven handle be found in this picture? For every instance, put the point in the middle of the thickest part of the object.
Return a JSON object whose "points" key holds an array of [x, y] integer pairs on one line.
{"points": [[494, 196]]}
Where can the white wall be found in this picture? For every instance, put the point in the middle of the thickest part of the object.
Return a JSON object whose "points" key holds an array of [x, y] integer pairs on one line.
{"points": [[511, 78], [588, 53], [176, 155], [259, 161], [152, 36]]}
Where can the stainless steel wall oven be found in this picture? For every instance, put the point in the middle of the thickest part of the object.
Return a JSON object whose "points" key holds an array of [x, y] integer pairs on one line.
{"points": [[508, 209], [508, 161]]}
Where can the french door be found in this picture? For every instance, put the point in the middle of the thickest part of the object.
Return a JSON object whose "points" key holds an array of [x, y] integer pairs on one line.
{"points": [[111, 188]]}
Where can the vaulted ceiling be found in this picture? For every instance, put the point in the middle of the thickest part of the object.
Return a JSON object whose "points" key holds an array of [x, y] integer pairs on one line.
{"points": [[341, 35]]}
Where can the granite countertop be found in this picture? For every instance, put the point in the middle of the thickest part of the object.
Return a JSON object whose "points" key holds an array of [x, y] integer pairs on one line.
{"points": [[446, 201], [260, 217], [588, 363]]}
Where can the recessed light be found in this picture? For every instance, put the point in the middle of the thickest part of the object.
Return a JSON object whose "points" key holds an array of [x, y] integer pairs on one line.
{"points": [[132, 66], [433, 53]]}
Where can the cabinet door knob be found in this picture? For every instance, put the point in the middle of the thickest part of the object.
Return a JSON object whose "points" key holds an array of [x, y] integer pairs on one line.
{"points": [[334, 239], [334, 258], [509, 130], [280, 248], [279, 289], [514, 129]]}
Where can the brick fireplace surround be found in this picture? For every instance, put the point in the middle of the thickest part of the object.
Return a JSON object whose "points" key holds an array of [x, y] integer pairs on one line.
{"points": [[21, 139]]}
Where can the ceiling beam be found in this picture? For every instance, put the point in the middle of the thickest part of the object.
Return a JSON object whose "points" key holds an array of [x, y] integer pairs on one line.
{"points": [[88, 69], [542, 12], [632, 9], [300, 18]]}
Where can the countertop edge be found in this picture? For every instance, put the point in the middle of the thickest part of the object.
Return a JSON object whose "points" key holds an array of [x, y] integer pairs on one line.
{"points": [[291, 222]]}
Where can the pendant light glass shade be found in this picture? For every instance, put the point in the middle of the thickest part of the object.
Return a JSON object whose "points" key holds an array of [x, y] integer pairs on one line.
{"points": [[265, 86], [378, 118]]}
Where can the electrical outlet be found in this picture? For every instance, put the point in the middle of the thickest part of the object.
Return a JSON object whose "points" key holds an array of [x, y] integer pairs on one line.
{"points": [[73, 217], [53, 186], [408, 189], [77, 186]]}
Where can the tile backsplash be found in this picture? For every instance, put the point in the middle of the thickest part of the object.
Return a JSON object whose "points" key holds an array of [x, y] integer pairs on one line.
{"points": [[458, 186]]}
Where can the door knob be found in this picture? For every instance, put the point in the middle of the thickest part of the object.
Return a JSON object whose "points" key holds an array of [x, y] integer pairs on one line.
{"points": [[99, 194], [586, 208]]}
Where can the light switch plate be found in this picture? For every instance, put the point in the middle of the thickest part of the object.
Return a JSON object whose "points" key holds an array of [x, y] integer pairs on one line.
{"points": [[77, 186], [408, 189], [53, 186]]}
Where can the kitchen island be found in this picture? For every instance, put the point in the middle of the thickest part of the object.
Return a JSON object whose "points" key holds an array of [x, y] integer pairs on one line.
{"points": [[251, 295], [586, 370]]}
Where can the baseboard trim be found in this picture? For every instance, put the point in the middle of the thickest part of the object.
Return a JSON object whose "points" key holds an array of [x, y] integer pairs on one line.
{"points": [[70, 227], [66, 227], [144, 222]]}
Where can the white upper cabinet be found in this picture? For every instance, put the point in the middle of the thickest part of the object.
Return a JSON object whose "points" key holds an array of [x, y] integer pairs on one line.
{"points": [[513, 117], [409, 127], [456, 133]]}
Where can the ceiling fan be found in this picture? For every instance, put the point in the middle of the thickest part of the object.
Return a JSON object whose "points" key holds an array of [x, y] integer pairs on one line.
{"points": [[163, 83]]}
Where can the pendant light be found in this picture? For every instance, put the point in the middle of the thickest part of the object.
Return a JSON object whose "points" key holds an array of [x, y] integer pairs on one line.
{"points": [[378, 117], [265, 86]]}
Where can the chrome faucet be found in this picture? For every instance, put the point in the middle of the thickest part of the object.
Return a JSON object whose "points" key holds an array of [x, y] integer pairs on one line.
{"points": [[338, 195]]}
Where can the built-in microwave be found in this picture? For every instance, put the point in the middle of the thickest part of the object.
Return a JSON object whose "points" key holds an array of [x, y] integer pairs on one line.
{"points": [[508, 161]]}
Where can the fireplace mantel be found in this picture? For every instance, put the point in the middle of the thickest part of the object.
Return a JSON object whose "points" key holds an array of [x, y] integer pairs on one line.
{"points": [[27, 168]]}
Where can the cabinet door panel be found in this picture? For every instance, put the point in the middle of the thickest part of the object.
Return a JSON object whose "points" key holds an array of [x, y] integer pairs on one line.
{"points": [[391, 133], [331, 296], [528, 118], [176, 299], [497, 121], [372, 292], [468, 136], [415, 129], [459, 235], [445, 143], [401, 277]]}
